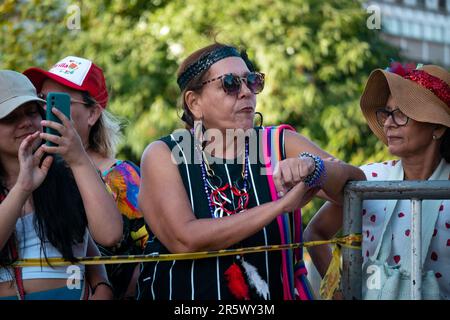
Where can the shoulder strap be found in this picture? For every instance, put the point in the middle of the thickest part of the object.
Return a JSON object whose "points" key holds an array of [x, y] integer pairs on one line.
{"points": [[111, 167], [273, 152], [178, 139]]}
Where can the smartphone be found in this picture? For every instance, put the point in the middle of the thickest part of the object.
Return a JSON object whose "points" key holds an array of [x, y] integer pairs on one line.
{"points": [[60, 101]]}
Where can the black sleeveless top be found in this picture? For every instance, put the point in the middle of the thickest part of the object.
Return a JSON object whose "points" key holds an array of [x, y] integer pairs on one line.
{"points": [[204, 279]]}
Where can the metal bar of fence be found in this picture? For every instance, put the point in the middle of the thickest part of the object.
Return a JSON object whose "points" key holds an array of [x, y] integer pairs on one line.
{"points": [[416, 249], [436, 189], [357, 191], [352, 259]]}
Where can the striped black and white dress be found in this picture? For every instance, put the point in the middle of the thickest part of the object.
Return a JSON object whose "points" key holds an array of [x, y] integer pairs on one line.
{"points": [[204, 279]]}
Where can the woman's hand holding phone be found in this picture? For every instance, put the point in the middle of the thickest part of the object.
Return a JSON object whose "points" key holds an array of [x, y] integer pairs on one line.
{"points": [[68, 144]]}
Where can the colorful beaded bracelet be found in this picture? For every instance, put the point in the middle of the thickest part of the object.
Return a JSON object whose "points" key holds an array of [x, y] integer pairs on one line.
{"points": [[315, 178]]}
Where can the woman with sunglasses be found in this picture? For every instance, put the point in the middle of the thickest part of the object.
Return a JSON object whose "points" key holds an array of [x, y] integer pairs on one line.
{"points": [[206, 188], [99, 131], [408, 109]]}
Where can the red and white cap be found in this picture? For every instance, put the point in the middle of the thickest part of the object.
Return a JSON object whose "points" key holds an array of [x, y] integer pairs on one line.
{"points": [[76, 73]]}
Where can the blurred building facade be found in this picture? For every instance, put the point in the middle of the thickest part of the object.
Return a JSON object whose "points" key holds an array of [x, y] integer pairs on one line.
{"points": [[420, 28]]}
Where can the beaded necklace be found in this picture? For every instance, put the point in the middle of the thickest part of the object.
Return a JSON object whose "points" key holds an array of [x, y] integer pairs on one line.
{"points": [[215, 192]]}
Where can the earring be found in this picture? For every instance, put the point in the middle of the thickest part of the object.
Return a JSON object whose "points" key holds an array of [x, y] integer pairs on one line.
{"points": [[261, 119], [199, 131], [435, 137]]}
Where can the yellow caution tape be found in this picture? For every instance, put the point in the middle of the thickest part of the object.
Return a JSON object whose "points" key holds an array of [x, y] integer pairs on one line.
{"points": [[346, 241], [330, 281]]}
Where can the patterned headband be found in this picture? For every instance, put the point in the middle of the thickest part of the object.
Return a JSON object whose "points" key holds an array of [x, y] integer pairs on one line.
{"points": [[204, 63]]}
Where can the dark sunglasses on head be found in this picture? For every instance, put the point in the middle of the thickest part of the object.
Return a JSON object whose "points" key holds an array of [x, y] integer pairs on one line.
{"points": [[231, 83]]}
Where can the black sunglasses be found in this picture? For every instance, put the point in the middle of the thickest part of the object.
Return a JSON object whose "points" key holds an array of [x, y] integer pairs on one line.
{"points": [[232, 83]]}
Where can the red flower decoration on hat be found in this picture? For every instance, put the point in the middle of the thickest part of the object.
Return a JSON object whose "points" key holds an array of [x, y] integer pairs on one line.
{"points": [[408, 71], [432, 83], [401, 70]]}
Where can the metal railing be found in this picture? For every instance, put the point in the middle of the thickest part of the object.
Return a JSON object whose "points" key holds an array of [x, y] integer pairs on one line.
{"points": [[355, 193]]}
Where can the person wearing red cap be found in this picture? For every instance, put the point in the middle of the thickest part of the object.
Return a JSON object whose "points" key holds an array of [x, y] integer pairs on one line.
{"points": [[49, 197], [100, 133], [408, 109]]}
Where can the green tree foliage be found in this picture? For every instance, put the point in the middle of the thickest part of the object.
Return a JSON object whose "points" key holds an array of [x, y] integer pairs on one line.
{"points": [[316, 56]]}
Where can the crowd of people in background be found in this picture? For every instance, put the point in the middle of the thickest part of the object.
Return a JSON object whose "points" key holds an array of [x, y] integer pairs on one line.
{"points": [[236, 184]]}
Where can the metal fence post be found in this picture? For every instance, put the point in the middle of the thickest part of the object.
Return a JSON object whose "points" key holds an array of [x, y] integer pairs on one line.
{"points": [[354, 194], [416, 249], [352, 259]]}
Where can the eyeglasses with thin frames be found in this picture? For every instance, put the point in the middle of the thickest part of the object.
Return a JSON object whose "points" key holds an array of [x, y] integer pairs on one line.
{"points": [[44, 97]]}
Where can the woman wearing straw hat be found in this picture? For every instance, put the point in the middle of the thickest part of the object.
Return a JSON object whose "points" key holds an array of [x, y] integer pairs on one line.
{"points": [[409, 110]]}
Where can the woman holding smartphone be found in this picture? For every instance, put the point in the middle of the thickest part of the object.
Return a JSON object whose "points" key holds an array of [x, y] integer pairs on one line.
{"points": [[51, 201], [100, 133]]}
